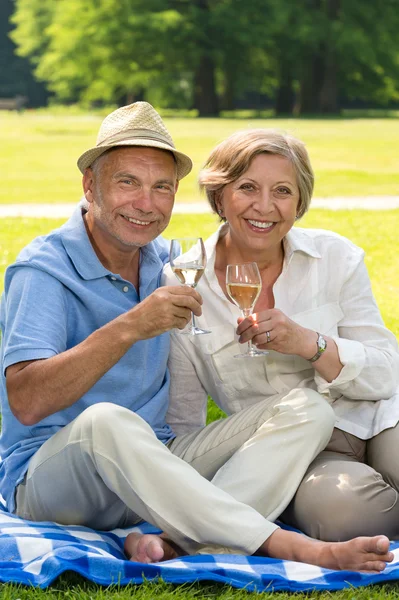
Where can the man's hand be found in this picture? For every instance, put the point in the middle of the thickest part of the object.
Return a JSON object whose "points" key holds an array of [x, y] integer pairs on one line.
{"points": [[165, 309], [57, 382]]}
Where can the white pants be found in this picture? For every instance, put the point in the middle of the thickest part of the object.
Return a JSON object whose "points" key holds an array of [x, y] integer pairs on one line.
{"points": [[107, 469]]}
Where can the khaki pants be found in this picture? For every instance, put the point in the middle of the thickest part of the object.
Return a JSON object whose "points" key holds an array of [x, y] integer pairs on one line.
{"points": [[350, 489], [107, 469]]}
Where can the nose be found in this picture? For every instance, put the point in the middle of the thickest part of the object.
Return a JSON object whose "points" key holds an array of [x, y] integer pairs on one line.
{"points": [[264, 201], [143, 200]]}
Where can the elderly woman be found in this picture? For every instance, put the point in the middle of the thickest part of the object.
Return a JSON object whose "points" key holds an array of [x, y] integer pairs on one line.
{"points": [[316, 316]]}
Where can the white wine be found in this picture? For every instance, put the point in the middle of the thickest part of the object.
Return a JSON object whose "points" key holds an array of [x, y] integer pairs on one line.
{"points": [[244, 284], [244, 295], [188, 274], [187, 259]]}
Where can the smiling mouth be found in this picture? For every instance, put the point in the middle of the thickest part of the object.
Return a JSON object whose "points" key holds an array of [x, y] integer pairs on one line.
{"points": [[263, 225], [136, 221]]}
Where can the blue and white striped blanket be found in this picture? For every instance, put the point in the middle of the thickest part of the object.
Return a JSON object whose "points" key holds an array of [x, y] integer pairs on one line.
{"points": [[36, 553]]}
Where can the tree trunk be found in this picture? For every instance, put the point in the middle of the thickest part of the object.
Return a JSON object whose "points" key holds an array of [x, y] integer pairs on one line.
{"points": [[310, 84], [285, 99], [329, 89], [319, 87], [205, 98], [228, 99]]}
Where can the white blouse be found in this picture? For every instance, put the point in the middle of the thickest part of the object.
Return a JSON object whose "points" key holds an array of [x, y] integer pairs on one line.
{"points": [[324, 286]]}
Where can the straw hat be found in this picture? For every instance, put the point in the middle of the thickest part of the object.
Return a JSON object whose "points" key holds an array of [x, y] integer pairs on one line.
{"points": [[137, 124]]}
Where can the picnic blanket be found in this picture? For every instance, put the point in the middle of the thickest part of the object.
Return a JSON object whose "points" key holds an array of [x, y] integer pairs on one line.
{"points": [[36, 553]]}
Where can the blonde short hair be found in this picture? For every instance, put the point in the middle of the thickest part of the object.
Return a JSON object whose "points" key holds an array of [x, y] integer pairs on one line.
{"points": [[232, 157]]}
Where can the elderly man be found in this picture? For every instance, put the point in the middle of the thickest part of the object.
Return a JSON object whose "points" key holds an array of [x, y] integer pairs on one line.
{"points": [[84, 382]]}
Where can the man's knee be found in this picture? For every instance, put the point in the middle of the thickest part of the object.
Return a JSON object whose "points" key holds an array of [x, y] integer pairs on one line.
{"points": [[106, 418]]}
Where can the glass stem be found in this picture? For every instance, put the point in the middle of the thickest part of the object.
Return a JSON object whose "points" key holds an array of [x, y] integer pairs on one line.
{"points": [[193, 325], [246, 312]]}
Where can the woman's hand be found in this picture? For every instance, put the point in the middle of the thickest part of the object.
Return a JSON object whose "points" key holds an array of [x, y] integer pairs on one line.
{"points": [[273, 330]]}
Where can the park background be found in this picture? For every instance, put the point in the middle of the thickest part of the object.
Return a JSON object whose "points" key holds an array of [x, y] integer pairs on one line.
{"points": [[325, 70]]}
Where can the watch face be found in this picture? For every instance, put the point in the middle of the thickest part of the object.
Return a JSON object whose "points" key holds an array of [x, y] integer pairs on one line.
{"points": [[322, 344]]}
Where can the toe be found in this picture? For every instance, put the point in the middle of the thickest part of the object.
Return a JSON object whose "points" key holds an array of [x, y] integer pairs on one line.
{"points": [[382, 544], [155, 551], [374, 566]]}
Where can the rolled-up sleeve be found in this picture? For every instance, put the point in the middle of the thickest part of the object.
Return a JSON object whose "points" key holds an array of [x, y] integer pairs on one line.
{"points": [[367, 349]]}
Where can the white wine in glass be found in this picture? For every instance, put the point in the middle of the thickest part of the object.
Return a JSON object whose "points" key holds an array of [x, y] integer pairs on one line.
{"points": [[244, 284], [188, 261]]}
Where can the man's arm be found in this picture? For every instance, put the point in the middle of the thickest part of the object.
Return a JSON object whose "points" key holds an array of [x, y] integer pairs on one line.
{"points": [[39, 388]]}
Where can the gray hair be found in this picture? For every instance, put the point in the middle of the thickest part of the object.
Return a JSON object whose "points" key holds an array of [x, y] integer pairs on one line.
{"points": [[232, 157]]}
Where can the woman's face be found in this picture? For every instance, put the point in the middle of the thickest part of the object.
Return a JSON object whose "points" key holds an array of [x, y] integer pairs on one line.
{"points": [[262, 204]]}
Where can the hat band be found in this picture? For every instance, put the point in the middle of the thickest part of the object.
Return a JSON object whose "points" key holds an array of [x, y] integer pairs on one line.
{"points": [[128, 134]]}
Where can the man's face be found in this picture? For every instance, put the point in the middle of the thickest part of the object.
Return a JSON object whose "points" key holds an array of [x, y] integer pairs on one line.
{"points": [[131, 192]]}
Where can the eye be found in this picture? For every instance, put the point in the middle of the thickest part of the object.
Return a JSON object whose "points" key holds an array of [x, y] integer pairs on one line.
{"points": [[246, 187], [283, 190], [163, 187]]}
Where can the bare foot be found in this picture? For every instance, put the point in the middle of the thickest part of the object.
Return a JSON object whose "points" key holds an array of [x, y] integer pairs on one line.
{"points": [[148, 548], [365, 554]]}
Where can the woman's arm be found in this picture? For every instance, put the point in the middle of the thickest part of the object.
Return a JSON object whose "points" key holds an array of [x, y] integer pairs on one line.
{"points": [[367, 349], [361, 360]]}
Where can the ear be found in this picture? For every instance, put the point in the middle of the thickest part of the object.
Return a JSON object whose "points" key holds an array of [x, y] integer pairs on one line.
{"points": [[88, 184], [219, 207]]}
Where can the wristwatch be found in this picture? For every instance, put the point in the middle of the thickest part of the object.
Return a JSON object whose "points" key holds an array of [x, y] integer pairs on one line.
{"points": [[321, 347]]}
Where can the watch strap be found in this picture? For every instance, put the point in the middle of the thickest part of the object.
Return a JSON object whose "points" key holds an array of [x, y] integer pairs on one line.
{"points": [[321, 347]]}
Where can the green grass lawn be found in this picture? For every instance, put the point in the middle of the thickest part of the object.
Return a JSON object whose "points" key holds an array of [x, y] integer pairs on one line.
{"points": [[376, 232], [38, 152]]}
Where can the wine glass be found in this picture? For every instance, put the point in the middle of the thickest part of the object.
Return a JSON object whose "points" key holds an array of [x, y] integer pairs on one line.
{"points": [[188, 261], [244, 283]]}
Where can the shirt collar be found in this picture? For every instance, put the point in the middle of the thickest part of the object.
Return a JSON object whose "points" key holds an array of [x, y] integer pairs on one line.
{"points": [[82, 254], [296, 240], [79, 249]]}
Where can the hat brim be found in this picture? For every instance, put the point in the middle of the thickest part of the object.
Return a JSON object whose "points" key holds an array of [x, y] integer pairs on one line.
{"points": [[183, 162]]}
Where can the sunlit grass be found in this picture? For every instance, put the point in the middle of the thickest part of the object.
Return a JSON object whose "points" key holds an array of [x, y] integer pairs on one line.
{"points": [[38, 153], [375, 231]]}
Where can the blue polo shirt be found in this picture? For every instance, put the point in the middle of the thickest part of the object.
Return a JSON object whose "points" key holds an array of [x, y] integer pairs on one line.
{"points": [[55, 295]]}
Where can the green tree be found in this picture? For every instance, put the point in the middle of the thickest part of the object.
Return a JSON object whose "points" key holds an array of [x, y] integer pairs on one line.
{"points": [[181, 52], [16, 73], [334, 48], [244, 51], [210, 53], [114, 49]]}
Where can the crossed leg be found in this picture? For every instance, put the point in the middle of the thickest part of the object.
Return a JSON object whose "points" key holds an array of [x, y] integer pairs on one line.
{"points": [[99, 465], [367, 554]]}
